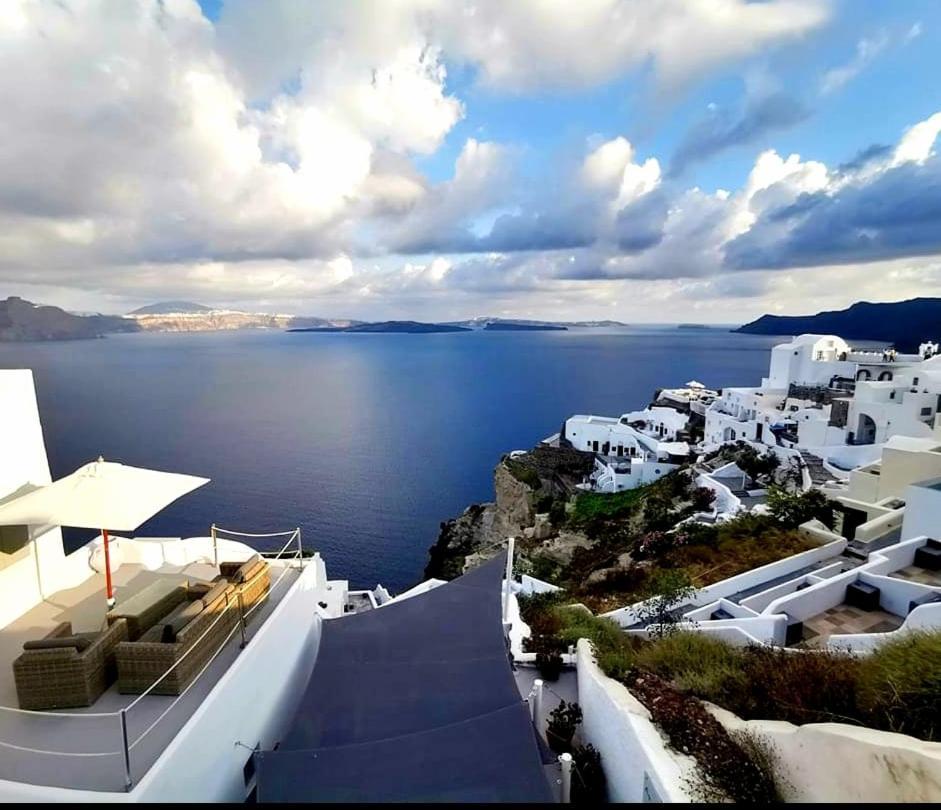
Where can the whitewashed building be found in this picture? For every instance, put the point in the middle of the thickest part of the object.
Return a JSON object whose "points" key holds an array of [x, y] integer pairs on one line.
{"points": [[823, 396], [635, 449]]}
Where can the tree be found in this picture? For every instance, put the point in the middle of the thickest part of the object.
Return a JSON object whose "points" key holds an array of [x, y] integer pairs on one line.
{"points": [[793, 508], [757, 466], [668, 590]]}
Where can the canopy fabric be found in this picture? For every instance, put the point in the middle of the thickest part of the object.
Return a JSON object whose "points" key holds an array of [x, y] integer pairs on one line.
{"points": [[695, 384], [414, 701], [100, 495]]}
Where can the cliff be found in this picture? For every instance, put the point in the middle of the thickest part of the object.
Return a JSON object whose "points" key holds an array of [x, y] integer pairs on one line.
{"points": [[525, 487], [905, 324], [218, 320], [22, 320]]}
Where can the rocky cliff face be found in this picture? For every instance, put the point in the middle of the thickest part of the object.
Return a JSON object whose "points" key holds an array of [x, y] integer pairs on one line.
{"points": [[521, 484]]}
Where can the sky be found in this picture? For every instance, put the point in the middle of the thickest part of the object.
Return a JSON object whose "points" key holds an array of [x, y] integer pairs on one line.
{"points": [[640, 160]]}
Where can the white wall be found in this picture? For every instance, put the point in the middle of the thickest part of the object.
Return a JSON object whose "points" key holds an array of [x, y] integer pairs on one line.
{"points": [[922, 512], [631, 747], [833, 762]]}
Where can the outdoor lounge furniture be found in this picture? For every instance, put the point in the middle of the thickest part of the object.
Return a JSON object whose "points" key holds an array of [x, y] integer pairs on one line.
{"points": [[65, 670], [147, 605], [862, 595], [929, 556], [185, 640], [251, 579], [927, 599]]}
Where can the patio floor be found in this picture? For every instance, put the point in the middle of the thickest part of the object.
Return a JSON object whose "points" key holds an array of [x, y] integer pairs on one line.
{"points": [[843, 620], [915, 573]]}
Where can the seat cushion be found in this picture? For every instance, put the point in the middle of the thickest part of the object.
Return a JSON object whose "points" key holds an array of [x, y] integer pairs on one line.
{"points": [[215, 593], [178, 618]]}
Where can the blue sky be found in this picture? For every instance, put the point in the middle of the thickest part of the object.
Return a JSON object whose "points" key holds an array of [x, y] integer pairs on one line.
{"points": [[638, 159]]}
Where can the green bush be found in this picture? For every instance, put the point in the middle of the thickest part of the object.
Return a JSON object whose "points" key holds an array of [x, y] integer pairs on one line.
{"points": [[791, 509], [900, 685], [698, 664], [591, 506], [564, 721]]}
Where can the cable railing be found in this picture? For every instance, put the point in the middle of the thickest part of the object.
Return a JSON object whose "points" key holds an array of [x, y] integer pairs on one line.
{"points": [[119, 740]]}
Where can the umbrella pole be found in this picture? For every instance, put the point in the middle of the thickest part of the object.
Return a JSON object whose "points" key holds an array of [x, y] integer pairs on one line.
{"points": [[108, 589]]}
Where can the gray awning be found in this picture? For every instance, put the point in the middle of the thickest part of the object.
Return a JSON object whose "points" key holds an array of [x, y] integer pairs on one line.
{"points": [[414, 701]]}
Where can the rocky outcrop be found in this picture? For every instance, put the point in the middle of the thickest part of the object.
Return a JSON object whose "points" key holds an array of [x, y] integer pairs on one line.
{"points": [[522, 481]]}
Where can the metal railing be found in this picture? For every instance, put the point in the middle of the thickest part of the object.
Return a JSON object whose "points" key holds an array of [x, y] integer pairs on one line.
{"points": [[26, 719]]}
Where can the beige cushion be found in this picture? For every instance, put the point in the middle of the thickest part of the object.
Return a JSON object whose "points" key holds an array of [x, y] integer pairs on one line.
{"points": [[215, 593], [178, 618], [245, 568]]}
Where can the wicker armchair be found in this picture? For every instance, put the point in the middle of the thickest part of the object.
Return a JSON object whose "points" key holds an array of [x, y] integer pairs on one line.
{"points": [[64, 671], [188, 638], [252, 580]]}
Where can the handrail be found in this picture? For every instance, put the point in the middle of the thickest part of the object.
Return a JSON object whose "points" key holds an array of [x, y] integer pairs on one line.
{"points": [[264, 534]]}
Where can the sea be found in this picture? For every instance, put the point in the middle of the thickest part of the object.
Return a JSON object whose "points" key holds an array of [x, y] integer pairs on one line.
{"points": [[365, 441]]}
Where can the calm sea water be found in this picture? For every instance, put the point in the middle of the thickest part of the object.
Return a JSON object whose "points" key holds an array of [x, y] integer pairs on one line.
{"points": [[367, 442]]}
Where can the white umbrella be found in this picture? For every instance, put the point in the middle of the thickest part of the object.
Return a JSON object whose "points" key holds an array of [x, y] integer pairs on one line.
{"points": [[695, 384], [100, 495]]}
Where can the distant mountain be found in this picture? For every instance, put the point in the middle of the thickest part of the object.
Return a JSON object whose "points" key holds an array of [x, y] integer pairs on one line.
{"points": [[485, 323], [400, 327], [22, 320], [905, 324], [171, 307], [506, 326]]}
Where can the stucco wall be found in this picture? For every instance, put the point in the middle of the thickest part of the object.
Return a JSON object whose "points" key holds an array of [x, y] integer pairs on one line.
{"points": [[833, 762], [633, 754]]}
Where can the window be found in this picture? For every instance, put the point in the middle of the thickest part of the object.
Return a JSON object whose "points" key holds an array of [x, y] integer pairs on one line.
{"points": [[926, 411], [915, 381]]}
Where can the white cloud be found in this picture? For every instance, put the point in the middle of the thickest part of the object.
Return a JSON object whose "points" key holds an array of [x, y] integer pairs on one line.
{"points": [[867, 49]]}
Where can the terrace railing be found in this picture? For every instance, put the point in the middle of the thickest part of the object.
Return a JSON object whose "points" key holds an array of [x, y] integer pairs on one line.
{"points": [[111, 751]]}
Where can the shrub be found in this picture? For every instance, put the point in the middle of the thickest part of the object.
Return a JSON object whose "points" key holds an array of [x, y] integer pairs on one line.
{"points": [[591, 506], [801, 687], [703, 499], [900, 685], [791, 509], [757, 466], [696, 663], [667, 590], [549, 664], [523, 473], [564, 720], [588, 780]]}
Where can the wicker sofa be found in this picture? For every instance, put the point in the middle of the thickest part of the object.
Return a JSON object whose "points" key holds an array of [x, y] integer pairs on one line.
{"points": [[252, 580], [185, 639], [142, 610], [65, 670]]}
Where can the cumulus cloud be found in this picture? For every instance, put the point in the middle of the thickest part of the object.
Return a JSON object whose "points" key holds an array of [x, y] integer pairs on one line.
{"points": [[277, 157]]}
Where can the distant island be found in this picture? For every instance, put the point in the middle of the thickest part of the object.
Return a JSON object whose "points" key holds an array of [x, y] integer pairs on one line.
{"points": [[507, 326], [492, 324], [22, 320], [905, 324], [388, 327]]}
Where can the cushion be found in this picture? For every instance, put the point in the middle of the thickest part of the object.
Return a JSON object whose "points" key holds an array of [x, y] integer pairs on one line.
{"points": [[178, 618], [215, 593], [245, 569], [59, 642], [254, 571]]}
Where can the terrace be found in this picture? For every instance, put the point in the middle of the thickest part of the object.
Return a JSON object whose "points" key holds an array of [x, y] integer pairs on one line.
{"points": [[112, 744]]}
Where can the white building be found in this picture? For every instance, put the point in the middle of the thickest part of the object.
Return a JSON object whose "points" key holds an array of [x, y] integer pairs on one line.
{"points": [[635, 449], [825, 397]]}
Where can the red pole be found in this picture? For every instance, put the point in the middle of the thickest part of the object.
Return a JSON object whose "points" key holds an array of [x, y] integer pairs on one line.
{"points": [[108, 588]]}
